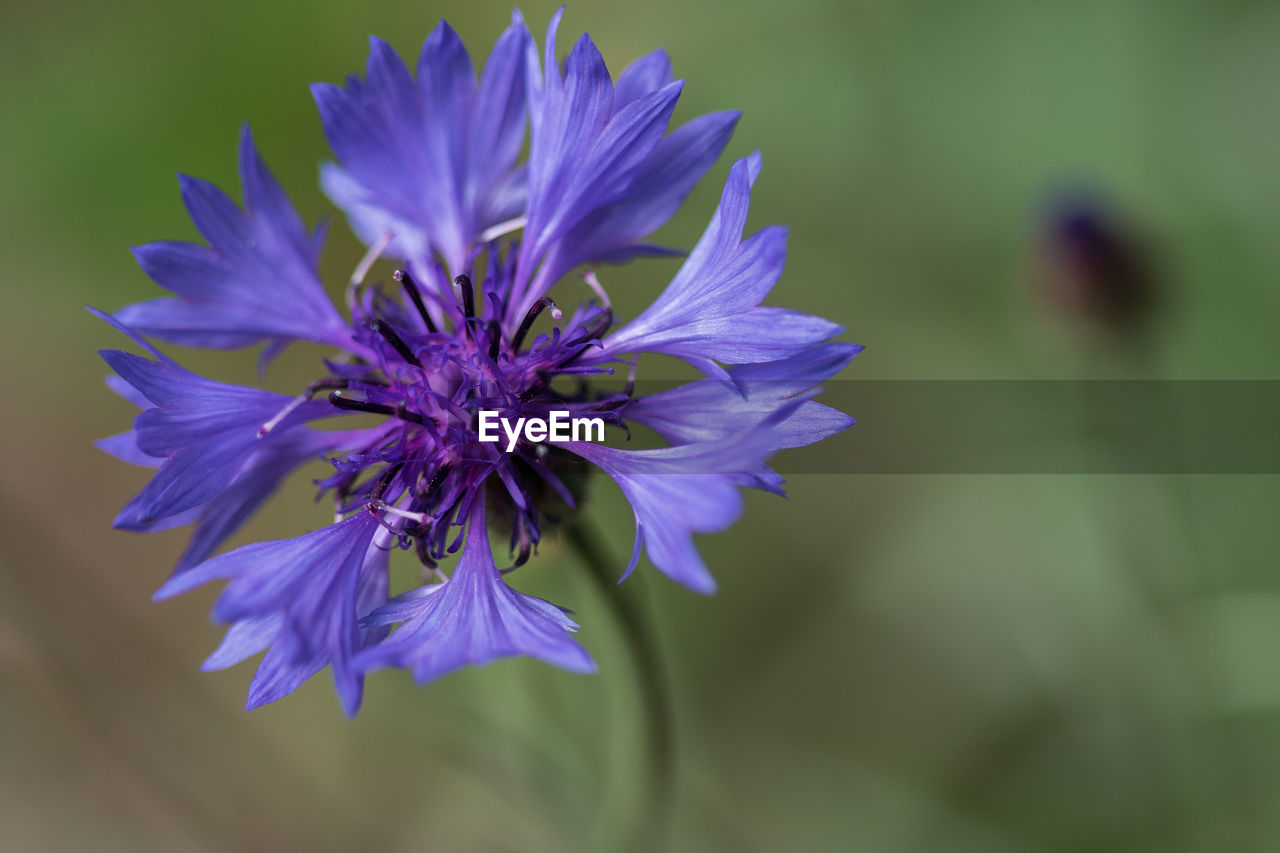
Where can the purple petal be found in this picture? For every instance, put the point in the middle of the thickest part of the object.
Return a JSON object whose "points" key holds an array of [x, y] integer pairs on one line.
{"points": [[473, 619], [613, 233], [125, 448], [227, 512], [429, 161], [678, 491], [127, 391], [255, 281], [754, 335], [205, 431], [647, 74], [710, 311], [497, 116], [712, 410], [447, 82], [572, 115], [243, 640], [304, 597], [280, 673]]}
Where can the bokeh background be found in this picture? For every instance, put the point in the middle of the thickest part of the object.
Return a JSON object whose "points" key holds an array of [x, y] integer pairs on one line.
{"points": [[893, 663]]}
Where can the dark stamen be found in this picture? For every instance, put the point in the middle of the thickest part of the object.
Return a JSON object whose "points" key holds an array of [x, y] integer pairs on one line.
{"points": [[538, 307], [324, 385], [383, 328], [535, 388], [380, 487], [307, 394], [436, 481], [423, 555], [468, 295], [397, 411], [522, 556], [602, 324], [495, 339], [415, 296]]}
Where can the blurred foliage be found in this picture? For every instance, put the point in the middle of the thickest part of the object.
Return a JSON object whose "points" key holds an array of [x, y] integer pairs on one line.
{"points": [[893, 663]]}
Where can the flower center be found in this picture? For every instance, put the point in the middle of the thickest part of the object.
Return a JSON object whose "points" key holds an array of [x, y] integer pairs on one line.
{"points": [[429, 373]]}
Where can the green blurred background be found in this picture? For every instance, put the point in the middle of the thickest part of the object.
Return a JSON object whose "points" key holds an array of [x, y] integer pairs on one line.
{"points": [[892, 663]]}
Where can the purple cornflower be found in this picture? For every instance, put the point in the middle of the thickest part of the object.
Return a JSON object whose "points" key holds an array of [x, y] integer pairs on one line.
{"points": [[428, 175]]}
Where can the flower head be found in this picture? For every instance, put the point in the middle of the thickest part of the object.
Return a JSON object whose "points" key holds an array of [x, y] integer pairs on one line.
{"points": [[428, 175]]}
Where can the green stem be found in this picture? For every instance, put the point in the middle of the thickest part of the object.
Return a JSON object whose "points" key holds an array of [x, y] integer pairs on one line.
{"points": [[646, 661]]}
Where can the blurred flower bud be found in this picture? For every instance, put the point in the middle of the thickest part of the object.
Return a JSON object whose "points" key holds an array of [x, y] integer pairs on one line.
{"points": [[1093, 266]]}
